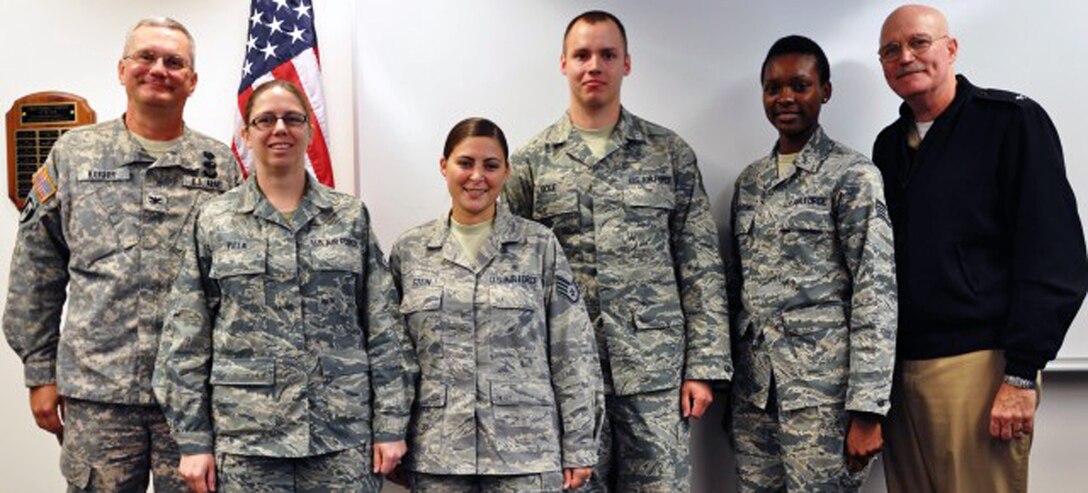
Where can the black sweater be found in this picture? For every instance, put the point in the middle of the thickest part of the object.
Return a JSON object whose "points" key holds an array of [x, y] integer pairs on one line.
{"points": [[989, 249]]}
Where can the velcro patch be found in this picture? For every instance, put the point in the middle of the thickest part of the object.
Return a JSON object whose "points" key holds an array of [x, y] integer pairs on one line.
{"points": [[567, 288], [119, 174], [44, 185], [203, 183]]}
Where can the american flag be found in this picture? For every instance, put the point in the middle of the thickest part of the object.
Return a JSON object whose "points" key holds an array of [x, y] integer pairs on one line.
{"points": [[282, 44]]}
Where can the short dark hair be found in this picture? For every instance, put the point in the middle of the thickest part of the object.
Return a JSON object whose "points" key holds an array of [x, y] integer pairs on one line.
{"points": [[594, 17], [475, 127], [264, 87], [795, 44]]}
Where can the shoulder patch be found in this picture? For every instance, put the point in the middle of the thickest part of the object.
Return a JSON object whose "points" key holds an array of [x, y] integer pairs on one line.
{"points": [[567, 288], [44, 185]]}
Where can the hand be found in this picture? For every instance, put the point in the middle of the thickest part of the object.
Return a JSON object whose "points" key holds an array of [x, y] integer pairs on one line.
{"points": [[399, 477], [575, 477], [1013, 413], [863, 441], [387, 456], [199, 472], [695, 397], [48, 409]]}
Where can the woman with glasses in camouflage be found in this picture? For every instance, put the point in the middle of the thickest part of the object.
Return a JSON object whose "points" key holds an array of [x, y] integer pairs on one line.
{"points": [[281, 363]]}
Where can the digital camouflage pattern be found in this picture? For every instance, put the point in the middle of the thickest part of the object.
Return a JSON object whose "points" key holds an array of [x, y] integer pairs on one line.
{"points": [[345, 471], [645, 446], [114, 447], [548, 482], [813, 275], [799, 450], [637, 229], [509, 378], [282, 338], [104, 222]]}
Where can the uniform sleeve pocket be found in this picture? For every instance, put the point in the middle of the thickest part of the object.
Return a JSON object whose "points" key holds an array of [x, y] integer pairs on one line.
{"points": [[75, 470], [522, 393], [244, 372], [432, 394], [344, 362], [229, 264], [420, 300]]}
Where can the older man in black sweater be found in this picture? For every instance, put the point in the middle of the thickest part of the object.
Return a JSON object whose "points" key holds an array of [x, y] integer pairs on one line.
{"points": [[991, 264]]}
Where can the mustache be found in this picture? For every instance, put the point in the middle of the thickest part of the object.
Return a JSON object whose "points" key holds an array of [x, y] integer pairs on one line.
{"points": [[909, 69]]}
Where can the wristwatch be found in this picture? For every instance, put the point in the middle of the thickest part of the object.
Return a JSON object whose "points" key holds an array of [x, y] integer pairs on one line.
{"points": [[1020, 382]]}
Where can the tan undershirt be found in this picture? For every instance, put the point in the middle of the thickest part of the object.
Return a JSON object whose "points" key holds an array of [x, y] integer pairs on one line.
{"points": [[156, 148], [471, 236], [785, 161], [596, 139]]}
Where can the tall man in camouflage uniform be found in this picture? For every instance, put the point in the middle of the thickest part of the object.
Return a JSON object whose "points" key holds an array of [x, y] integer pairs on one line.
{"points": [[102, 222], [626, 200], [812, 280]]}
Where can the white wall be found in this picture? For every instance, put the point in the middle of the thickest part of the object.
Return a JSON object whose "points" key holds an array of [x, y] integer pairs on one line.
{"points": [[695, 70]]}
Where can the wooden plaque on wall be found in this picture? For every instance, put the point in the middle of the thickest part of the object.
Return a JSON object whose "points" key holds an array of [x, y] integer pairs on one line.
{"points": [[34, 124]]}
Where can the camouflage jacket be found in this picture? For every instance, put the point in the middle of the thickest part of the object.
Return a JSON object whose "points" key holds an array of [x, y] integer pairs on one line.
{"points": [[813, 275], [282, 339], [637, 229], [509, 378], [101, 230]]}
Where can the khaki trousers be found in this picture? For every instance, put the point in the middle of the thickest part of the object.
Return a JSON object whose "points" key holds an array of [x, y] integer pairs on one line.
{"points": [[937, 432]]}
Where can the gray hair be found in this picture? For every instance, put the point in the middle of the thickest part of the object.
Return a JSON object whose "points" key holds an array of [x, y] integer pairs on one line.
{"points": [[167, 23]]}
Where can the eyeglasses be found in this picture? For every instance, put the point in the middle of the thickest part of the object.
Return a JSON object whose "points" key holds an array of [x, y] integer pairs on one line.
{"points": [[292, 119], [148, 58], [918, 45]]}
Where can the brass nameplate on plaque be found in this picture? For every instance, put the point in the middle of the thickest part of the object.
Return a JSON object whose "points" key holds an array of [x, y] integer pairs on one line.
{"points": [[34, 124], [43, 114]]}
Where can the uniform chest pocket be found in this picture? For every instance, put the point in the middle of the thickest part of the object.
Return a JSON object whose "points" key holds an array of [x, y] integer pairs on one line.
{"points": [[808, 237], [240, 271], [556, 202], [95, 228], [516, 333], [421, 308], [343, 258], [657, 193]]}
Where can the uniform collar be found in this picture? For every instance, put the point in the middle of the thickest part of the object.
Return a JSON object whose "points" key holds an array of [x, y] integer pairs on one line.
{"points": [[184, 154], [315, 199], [809, 159], [563, 134], [505, 230]]}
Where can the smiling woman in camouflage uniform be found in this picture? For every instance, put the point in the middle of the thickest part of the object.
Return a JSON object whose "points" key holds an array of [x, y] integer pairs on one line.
{"points": [[813, 282], [282, 352], [509, 377]]}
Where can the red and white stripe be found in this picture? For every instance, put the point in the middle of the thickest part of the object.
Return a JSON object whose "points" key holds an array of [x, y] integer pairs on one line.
{"points": [[305, 72]]}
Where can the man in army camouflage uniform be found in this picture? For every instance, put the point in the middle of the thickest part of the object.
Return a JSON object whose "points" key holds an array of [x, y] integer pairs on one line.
{"points": [[101, 230], [812, 281], [626, 200]]}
